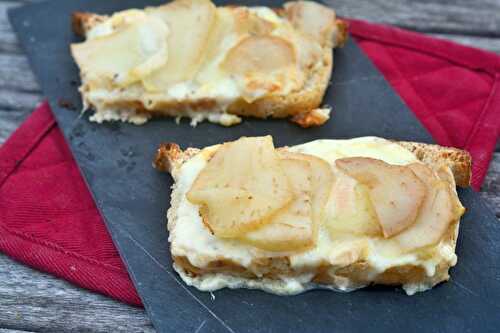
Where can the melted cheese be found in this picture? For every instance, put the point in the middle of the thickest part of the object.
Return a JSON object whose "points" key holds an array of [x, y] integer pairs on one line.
{"points": [[192, 240]]}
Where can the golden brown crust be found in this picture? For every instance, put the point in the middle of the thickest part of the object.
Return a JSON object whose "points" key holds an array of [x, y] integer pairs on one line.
{"points": [[170, 157], [315, 117], [459, 161], [277, 267], [166, 155], [81, 22], [342, 32]]}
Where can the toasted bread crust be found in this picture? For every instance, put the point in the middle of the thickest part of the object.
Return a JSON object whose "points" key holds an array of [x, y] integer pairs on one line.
{"points": [[342, 33], [304, 101], [170, 158], [459, 161], [81, 22]]}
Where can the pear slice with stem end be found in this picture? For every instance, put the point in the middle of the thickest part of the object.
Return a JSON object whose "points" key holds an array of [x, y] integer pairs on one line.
{"points": [[395, 191], [241, 186], [291, 228]]}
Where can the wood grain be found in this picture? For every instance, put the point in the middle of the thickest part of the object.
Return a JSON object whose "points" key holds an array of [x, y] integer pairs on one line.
{"points": [[31, 301], [463, 17]]}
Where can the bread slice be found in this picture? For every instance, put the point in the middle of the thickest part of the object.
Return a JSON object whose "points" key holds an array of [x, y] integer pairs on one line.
{"points": [[279, 272], [273, 99], [276, 96]]}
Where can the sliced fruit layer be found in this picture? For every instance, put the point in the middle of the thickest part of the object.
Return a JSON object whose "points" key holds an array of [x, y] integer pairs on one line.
{"points": [[321, 184], [291, 228], [295, 227], [349, 209], [249, 23], [436, 214], [217, 58], [313, 19], [126, 55], [260, 54], [190, 23], [395, 191], [262, 65], [241, 186], [277, 200]]}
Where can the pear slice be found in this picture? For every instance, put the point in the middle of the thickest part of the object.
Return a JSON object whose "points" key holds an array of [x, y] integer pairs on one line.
{"points": [[262, 65], [313, 19], [231, 25], [322, 180], [349, 209], [259, 54], [395, 191], [291, 228], [249, 23], [190, 23], [437, 212], [241, 186], [126, 55]]}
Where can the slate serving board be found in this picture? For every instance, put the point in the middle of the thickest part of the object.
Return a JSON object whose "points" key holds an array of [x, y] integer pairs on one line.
{"points": [[115, 160]]}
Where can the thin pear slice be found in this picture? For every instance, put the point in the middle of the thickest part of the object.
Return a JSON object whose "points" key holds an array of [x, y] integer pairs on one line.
{"points": [[190, 23], [292, 227], [349, 209], [322, 180], [247, 22], [313, 19], [263, 65], [395, 191], [241, 186], [126, 55], [231, 25], [259, 54], [436, 214]]}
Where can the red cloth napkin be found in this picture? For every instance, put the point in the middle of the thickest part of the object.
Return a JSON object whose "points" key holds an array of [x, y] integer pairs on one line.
{"points": [[49, 221]]}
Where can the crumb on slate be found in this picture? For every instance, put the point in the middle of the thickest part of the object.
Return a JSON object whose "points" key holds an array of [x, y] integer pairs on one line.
{"points": [[64, 103]]}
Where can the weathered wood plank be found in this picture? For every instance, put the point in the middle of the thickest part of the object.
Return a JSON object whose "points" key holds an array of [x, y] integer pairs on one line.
{"points": [[8, 41], [481, 18], [18, 100], [16, 74], [33, 301], [6, 330]]}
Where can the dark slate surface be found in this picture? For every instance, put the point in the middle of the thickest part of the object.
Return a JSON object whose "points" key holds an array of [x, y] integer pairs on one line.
{"points": [[115, 160]]}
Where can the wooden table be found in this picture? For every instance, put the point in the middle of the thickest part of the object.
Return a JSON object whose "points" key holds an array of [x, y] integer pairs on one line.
{"points": [[31, 301]]}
